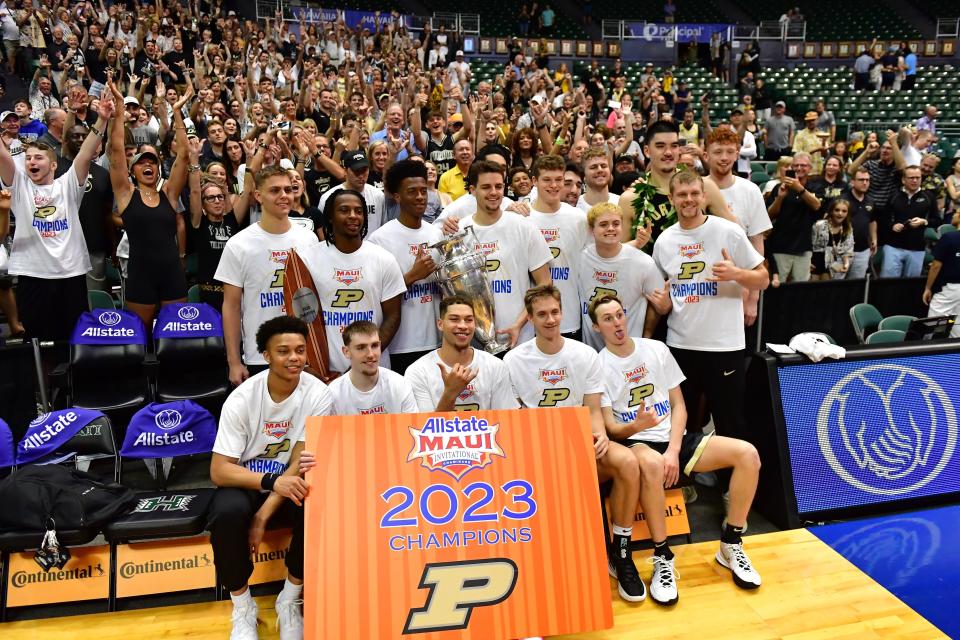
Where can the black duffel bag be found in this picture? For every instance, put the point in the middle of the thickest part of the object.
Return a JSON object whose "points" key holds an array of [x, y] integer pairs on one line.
{"points": [[41, 497]]}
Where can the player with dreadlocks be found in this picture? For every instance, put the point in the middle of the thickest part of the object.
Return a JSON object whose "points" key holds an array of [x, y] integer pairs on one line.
{"points": [[355, 280]]}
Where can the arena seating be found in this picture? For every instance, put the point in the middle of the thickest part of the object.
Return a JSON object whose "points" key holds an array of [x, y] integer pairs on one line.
{"points": [[500, 21], [827, 20], [652, 10]]}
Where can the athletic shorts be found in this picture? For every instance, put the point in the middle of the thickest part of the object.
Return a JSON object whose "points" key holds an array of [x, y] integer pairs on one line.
{"points": [[692, 446]]}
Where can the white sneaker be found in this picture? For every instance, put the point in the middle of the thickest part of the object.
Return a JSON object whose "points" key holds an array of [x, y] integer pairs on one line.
{"points": [[732, 557], [289, 618], [663, 583], [244, 621]]}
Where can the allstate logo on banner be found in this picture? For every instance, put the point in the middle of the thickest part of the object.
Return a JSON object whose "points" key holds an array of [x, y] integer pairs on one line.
{"points": [[887, 429], [188, 312], [183, 320], [109, 318], [108, 327], [167, 419], [455, 445]]}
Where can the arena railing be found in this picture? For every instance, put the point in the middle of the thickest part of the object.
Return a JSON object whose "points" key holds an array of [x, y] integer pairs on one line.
{"points": [[948, 28]]}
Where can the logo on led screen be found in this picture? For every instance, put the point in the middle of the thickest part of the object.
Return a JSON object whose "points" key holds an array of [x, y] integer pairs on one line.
{"points": [[887, 429]]}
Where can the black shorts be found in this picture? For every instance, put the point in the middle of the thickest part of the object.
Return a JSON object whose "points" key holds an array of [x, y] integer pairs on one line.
{"points": [[151, 283], [49, 307], [691, 448]]}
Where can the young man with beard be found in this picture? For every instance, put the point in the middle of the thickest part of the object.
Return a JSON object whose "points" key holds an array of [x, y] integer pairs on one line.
{"points": [[406, 239], [256, 468], [649, 418], [576, 380], [457, 377], [661, 145], [572, 183], [565, 230], [514, 248], [49, 253], [608, 266], [742, 196], [355, 280], [357, 171], [367, 388], [708, 262], [596, 172], [252, 268]]}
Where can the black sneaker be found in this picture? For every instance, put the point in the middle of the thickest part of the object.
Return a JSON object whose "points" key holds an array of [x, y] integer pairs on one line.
{"points": [[629, 584]]}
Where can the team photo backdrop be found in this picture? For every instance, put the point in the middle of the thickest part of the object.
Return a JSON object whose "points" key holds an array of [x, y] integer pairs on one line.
{"points": [[872, 431], [471, 525]]}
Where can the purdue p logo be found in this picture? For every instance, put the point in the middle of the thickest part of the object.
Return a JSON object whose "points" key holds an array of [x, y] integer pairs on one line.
{"points": [[690, 269], [346, 297], [456, 588]]}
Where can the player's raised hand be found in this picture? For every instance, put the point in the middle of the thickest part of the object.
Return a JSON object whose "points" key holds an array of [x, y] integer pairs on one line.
{"points": [[725, 270], [457, 377], [646, 418]]}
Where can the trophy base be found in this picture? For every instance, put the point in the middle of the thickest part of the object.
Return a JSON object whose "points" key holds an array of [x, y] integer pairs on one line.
{"points": [[493, 348]]}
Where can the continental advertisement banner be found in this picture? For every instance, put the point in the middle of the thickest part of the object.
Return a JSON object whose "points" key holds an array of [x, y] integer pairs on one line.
{"points": [[675, 510], [86, 576], [145, 568], [472, 525]]}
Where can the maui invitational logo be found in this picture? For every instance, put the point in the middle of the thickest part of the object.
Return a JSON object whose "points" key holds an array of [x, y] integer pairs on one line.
{"points": [[348, 276], [636, 374], [605, 277], [168, 419], [109, 318], [455, 445], [690, 251], [188, 313], [553, 376], [887, 429]]}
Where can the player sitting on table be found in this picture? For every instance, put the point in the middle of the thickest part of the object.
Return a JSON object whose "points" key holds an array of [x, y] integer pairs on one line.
{"points": [[367, 388], [554, 371], [256, 465], [643, 385], [457, 377]]}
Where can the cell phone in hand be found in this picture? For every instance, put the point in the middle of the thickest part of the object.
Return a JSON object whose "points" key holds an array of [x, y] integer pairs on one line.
{"points": [[790, 173]]}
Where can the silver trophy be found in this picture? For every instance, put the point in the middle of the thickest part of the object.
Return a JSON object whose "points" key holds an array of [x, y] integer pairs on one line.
{"points": [[462, 270]]}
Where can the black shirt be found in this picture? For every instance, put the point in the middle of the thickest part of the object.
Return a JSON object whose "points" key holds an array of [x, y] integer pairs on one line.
{"points": [[862, 213], [207, 241], [792, 228], [947, 251], [923, 204], [825, 191], [95, 207], [318, 183]]}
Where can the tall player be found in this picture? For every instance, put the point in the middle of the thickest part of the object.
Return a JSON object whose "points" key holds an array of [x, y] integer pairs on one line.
{"points": [[608, 266], [457, 377], [256, 466], [251, 270], [515, 250], [643, 385], [553, 371], [367, 388], [742, 196], [355, 280], [661, 144], [404, 238], [708, 262], [565, 229]]}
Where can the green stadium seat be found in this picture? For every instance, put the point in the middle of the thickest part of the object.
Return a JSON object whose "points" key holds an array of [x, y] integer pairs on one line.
{"points": [[865, 319], [886, 336], [898, 323], [97, 299]]}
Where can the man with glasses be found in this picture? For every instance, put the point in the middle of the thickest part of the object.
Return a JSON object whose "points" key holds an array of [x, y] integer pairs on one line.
{"points": [[863, 217], [793, 209], [884, 162], [911, 210]]}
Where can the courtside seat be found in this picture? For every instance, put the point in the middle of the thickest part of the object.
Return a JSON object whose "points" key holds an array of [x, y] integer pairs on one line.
{"points": [[16, 541], [163, 514], [866, 319], [104, 377], [885, 336]]}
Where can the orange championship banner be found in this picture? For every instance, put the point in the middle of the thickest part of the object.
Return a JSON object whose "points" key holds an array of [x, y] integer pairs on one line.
{"points": [[475, 525]]}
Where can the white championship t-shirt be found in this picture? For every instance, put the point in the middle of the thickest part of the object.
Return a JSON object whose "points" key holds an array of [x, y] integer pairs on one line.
{"points": [[391, 394], [48, 241], [746, 202], [465, 205], [421, 302], [254, 260], [490, 389], [630, 274], [558, 380], [566, 233], [642, 379], [261, 433], [585, 206], [513, 247], [350, 287], [706, 316], [376, 204]]}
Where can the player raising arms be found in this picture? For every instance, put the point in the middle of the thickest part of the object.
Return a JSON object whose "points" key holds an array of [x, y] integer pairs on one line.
{"points": [[457, 377], [643, 386], [553, 371], [368, 388], [256, 465]]}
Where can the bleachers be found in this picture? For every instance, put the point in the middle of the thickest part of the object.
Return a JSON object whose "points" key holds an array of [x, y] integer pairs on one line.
{"points": [[652, 10], [497, 22], [940, 8], [828, 20]]}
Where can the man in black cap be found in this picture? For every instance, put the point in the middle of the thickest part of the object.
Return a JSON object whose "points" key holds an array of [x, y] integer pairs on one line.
{"points": [[357, 170]]}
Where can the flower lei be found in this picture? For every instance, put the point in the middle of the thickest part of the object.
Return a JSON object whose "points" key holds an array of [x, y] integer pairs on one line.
{"points": [[643, 204]]}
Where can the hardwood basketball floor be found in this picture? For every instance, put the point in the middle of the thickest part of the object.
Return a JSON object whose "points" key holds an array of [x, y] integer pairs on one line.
{"points": [[809, 592]]}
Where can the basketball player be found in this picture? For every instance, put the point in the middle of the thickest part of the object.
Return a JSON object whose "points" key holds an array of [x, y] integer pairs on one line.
{"points": [[367, 388], [255, 468], [357, 170], [643, 385], [596, 179], [608, 266], [565, 230], [355, 280], [515, 250], [457, 377], [404, 238], [251, 270], [662, 146], [708, 262], [554, 371], [742, 196]]}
